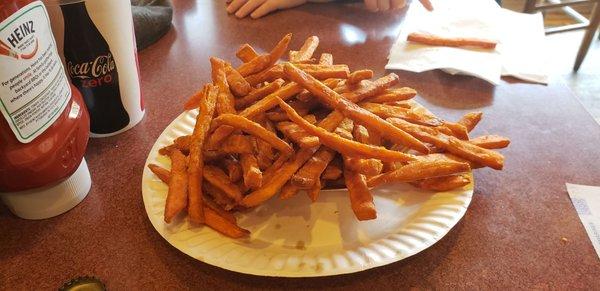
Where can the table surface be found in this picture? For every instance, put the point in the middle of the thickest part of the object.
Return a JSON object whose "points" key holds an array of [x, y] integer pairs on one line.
{"points": [[511, 235]]}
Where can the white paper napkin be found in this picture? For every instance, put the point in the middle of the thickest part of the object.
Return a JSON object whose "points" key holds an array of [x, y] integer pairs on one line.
{"points": [[520, 37], [586, 200]]}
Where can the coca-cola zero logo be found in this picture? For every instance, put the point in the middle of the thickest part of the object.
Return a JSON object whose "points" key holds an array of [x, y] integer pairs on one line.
{"points": [[93, 73]]}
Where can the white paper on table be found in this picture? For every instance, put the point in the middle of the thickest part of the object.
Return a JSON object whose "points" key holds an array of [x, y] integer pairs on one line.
{"points": [[586, 200], [520, 38]]}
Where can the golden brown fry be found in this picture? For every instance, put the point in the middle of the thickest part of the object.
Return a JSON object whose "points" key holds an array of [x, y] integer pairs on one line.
{"points": [[222, 225], [470, 120], [429, 39], [333, 171], [181, 143], [301, 107], [288, 191], [298, 135], [490, 141], [218, 209], [238, 85], [275, 183], [351, 110], [344, 146], [273, 168], [474, 153], [326, 59], [196, 160], [419, 170], [368, 167], [387, 111], [394, 95], [225, 100], [194, 101], [279, 50], [306, 51], [237, 144], [160, 172], [257, 94], [264, 151], [254, 129], [266, 75], [255, 65], [218, 196], [313, 192], [308, 175], [234, 169], [443, 183], [246, 53], [219, 179], [458, 130], [359, 75], [361, 199], [252, 174], [177, 197]]}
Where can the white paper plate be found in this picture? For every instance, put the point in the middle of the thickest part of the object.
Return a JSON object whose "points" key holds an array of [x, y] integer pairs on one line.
{"points": [[296, 238]]}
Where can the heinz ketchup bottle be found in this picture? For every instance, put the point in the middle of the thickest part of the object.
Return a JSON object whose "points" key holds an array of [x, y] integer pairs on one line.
{"points": [[44, 125]]}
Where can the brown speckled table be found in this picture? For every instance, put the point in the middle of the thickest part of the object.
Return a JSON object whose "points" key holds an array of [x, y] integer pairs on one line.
{"points": [[509, 237]]}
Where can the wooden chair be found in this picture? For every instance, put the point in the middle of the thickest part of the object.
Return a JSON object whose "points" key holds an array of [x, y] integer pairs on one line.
{"points": [[590, 25]]}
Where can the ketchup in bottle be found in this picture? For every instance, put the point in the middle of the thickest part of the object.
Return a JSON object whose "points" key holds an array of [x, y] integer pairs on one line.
{"points": [[44, 125]]}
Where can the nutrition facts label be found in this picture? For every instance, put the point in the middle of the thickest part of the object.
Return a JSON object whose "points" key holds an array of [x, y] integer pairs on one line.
{"points": [[34, 89]]}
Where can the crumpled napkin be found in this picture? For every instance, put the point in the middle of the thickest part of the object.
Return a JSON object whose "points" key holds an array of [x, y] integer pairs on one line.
{"points": [[520, 38]]}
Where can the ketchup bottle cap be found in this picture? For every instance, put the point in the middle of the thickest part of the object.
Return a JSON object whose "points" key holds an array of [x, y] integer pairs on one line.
{"points": [[46, 202]]}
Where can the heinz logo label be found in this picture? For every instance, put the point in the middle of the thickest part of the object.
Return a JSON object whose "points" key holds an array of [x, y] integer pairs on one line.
{"points": [[20, 33]]}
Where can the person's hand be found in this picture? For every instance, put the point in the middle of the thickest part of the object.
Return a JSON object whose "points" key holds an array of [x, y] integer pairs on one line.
{"points": [[385, 5], [259, 8]]}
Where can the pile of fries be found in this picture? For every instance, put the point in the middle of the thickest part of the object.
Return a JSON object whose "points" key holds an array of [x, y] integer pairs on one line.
{"points": [[267, 128]]}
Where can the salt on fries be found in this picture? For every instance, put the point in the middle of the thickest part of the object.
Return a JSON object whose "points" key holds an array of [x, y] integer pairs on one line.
{"points": [[265, 128]]}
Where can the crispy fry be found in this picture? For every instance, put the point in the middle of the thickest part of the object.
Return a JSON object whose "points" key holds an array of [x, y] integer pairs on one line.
{"points": [[368, 167], [322, 72], [457, 130], [255, 129], [443, 183], [361, 199], [218, 209], [344, 146], [313, 192], [264, 151], [237, 144], [419, 170], [222, 225], [234, 169], [177, 197], [219, 196], [160, 172], [279, 50], [196, 160], [306, 51], [301, 107], [255, 65], [326, 59], [298, 135], [237, 83], [225, 100], [257, 94], [181, 143], [288, 191], [387, 111], [394, 95], [333, 171], [194, 101], [490, 141], [275, 183], [266, 75], [470, 120], [351, 110], [252, 174], [474, 153], [359, 75], [429, 39], [272, 170], [219, 179], [308, 175], [246, 53]]}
